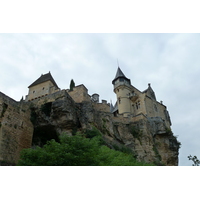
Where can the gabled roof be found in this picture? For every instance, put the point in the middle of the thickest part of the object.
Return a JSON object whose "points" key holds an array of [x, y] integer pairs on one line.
{"points": [[120, 74], [44, 78]]}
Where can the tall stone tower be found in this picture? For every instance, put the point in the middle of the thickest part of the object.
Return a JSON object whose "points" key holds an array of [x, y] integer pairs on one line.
{"points": [[123, 90]]}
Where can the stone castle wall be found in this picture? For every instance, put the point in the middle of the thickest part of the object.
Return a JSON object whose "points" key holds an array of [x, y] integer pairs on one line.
{"points": [[49, 98], [156, 109], [16, 129], [41, 90], [79, 94], [103, 107]]}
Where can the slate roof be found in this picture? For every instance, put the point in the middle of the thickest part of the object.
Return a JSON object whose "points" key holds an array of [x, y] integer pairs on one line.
{"points": [[44, 78], [120, 74]]}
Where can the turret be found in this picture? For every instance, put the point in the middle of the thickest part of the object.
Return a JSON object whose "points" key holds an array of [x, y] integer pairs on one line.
{"points": [[122, 88]]}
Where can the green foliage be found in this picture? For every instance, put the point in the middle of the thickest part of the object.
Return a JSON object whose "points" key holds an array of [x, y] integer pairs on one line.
{"points": [[168, 131], [196, 161], [122, 149], [71, 151], [72, 85], [135, 132], [76, 151], [92, 133], [110, 157]]}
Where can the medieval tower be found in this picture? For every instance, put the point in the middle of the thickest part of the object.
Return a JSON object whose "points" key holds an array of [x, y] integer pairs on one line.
{"points": [[131, 102]]}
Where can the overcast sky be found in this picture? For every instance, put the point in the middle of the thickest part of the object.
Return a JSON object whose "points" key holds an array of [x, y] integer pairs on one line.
{"points": [[170, 62]]}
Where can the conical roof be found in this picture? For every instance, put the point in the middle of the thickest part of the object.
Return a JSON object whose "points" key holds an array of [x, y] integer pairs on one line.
{"points": [[120, 74], [44, 78]]}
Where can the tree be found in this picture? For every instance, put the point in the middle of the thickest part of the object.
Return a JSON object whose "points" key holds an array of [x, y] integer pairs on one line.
{"points": [[72, 85], [76, 151], [195, 160], [71, 151]]}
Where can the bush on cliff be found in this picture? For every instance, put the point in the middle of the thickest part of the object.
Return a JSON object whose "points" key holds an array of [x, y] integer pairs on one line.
{"points": [[76, 151]]}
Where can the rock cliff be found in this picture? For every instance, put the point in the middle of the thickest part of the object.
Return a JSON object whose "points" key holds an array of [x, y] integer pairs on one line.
{"points": [[148, 138]]}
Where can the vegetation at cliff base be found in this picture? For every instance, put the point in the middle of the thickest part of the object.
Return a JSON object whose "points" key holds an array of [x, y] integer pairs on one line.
{"points": [[76, 151]]}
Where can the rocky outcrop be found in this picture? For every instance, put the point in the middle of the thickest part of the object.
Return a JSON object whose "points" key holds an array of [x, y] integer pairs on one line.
{"points": [[147, 138], [149, 141]]}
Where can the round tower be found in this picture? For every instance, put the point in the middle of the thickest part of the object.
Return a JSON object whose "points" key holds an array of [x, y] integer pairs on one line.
{"points": [[122, 88]]}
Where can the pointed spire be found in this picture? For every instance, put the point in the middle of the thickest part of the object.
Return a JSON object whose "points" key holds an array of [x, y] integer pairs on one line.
{"points": [[120, 74]]}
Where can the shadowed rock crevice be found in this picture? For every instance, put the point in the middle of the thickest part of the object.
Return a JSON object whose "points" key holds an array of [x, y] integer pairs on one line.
{"points": [[43, 134]]}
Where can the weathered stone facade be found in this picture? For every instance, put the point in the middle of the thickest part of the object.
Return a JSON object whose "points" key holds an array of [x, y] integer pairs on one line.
{"points": [[16, 129], [43, 86], [80, 94]]}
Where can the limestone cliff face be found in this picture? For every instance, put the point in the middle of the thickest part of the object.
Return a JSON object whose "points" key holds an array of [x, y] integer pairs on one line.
{"points": [[147, 138]]}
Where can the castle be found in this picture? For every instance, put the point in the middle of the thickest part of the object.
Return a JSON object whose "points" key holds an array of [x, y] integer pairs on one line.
{"points": [[76, 108], [131, 102]]}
